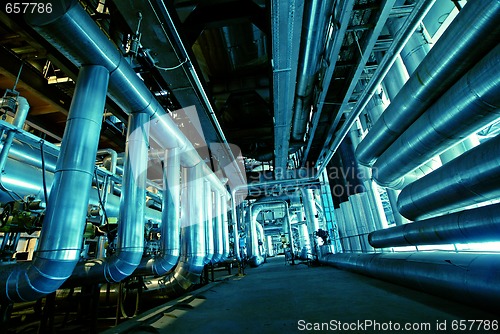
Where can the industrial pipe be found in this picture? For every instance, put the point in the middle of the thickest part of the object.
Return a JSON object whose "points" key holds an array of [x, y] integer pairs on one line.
{"points": [[472, 178], [474, 32], [193, 248], [471, 104], [465, 277], [73, 32], [208, 222], [62, 232], [170, 223], [18, 122], [316, 16], [225, 227], [255, 258], [218, 229], [468, 226]]}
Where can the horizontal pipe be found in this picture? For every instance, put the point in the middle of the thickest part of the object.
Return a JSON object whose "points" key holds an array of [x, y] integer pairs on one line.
{"points": [[468, 226], [472, 178], [471, 104], [474, 32], [468, 278]]}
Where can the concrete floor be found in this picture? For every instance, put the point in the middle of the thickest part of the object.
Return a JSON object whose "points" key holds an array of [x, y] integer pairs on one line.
{"points": [[279, 298]]}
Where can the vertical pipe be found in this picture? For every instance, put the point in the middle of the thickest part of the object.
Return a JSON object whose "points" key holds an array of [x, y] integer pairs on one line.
{"points": [[218, 228], [225, 226], [130, 244], [62, 232]]}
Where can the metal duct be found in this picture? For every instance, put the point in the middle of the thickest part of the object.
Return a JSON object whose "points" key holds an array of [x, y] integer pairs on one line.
{"points": [[27, 180], [305, 242], [310, 209], [336, 137], [316, 16], [208, 222], [193, 248], [286, 19], [218, 229], [415, 49], [225, 228], [471, 104], [361, 220], [260, 239], [62, 232], [475, 225], [473, 177], [130, 237], [351, 232], [170, 223], [465, 277], [474, 32], [344, 241], [255, 259]]}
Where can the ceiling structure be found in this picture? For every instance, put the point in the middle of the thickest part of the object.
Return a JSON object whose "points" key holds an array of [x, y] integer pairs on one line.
{"points": [[272, 78]]}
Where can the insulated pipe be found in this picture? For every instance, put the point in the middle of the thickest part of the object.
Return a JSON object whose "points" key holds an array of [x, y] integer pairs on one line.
{"points": [[474, 32], [310, 209], [193, 248], [61, 237], [305, 242], [344, 241], [130, 237], [260, 240], [351, 232], [208, 221], [316, 16], [225, 227], [218, 229], [170, 222], [255, 258], [471, 104], [475, 225], [472, 178], [465, 277], [73, 32], [18, 122], [411, 23]]}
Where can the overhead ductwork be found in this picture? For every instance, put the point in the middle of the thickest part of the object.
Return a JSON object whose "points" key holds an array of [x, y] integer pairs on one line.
{"points": [[62, 233], [468, 278], [472, 178], [471, 104], [473, 33], [468, 226]]}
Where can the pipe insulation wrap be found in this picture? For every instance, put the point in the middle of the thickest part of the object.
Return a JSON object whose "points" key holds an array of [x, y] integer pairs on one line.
{"points": [[62, 232], [473, 33], [471, 178], [468, 278], [468, 226], [471, 104]]}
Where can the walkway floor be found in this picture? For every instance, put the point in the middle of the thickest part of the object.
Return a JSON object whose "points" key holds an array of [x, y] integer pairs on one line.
{"points": [[279, 298]]}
